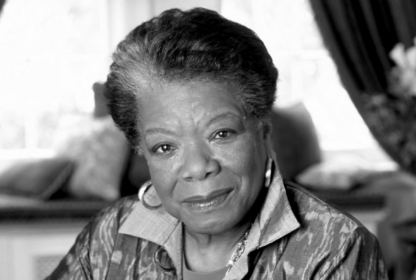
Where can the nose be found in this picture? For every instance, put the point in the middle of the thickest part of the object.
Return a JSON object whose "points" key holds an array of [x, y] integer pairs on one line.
{"points": [[198, 163]]}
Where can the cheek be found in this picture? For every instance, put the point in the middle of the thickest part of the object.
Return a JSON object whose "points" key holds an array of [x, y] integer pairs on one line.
{"points": [[163, 175], [247, 160]]}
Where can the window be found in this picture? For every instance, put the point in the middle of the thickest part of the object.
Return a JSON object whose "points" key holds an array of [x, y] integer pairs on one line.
{"points": [[51, 52], [306, 71]]}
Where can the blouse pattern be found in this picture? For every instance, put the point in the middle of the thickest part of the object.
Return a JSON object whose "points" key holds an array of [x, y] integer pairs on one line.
{"points": [[321, 243]]}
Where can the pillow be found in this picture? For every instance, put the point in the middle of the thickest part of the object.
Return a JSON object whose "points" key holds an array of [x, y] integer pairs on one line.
{"points": [[295, 140], [137, 171], [100, 151], [39, 178], [100, 108]]}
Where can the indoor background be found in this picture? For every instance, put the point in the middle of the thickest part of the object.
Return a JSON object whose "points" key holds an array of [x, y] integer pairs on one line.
{"points": [[55, 134]]}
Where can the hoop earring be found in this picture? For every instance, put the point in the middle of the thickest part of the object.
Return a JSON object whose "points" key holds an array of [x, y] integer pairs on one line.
{"points": [[142, 191], [268, 174]]}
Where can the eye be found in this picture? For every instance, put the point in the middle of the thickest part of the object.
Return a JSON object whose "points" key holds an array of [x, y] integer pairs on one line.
{"points": [[222, 134], [163, 149]]}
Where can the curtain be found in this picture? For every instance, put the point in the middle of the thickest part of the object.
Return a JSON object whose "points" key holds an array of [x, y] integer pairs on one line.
{"points": [[360, 35], [1, 5], [373, 45]]}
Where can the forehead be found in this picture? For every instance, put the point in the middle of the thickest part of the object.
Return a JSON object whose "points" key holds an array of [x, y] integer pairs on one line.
{"points": [[191, 99], [204, 86]]}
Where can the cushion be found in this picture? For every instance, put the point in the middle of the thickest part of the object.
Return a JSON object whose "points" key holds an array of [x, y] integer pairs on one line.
{"points": [[100, 151], [137, 171], [39, 178], [295, 140], [100, 108]]}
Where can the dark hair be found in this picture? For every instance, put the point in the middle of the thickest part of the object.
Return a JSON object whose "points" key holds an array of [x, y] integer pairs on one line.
{"points": [[180, 46]]}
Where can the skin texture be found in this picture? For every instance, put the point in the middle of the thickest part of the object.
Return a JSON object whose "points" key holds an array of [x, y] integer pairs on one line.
{"points": [[207, 160]]}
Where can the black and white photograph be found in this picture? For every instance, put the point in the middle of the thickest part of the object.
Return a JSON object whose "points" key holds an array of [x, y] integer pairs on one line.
{"points": [[207, 139]]}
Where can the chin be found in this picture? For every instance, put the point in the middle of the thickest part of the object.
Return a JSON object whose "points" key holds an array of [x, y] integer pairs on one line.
{"points": [[207, 229], [211, 225]]}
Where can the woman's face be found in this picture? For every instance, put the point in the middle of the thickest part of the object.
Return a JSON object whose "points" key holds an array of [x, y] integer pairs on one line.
{"points": [[206, 155]]}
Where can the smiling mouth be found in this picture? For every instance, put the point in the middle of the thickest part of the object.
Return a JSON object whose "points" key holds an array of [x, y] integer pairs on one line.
{"points": [[208, 202]]}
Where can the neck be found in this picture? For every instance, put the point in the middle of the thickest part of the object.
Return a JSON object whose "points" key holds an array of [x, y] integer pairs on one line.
{"points": [[210, 252]]}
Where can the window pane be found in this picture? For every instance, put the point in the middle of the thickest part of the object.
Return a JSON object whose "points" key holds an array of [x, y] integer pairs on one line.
{"points": [[51, 52], [306, 71]]}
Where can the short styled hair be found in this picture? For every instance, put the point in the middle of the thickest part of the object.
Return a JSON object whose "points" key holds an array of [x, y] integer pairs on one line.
{"points": [[183, 46]]}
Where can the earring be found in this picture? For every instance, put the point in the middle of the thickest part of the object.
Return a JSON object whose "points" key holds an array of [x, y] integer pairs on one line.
{"points": [[268, 174], [143, 189]]}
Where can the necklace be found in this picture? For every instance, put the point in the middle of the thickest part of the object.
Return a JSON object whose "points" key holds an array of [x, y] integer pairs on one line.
{"points": [[241, 246]]}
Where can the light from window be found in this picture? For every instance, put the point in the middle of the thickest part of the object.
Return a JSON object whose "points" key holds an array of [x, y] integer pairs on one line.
{"points": [[51, 52], [306, 71]]}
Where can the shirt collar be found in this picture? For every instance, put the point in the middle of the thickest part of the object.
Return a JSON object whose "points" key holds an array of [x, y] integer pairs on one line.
{"points": [[157, 226], [276, 219]]}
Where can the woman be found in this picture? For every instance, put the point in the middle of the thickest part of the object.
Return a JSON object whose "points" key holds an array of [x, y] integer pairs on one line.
{"points": [[193, 92]]}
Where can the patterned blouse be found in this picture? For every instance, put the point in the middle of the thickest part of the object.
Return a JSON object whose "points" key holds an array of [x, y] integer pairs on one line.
{"points": [[295, 236]]}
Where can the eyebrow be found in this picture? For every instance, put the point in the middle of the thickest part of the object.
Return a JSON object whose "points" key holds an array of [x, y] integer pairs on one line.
{"points": [[224, 116], [159, 131]]}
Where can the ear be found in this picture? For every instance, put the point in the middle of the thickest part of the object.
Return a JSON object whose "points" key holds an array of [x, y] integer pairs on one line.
{"points": [[267, 131], [139, 150]]}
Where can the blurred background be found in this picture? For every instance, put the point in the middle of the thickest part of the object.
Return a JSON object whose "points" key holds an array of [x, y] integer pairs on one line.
{"points": [[62, 159], [53, 51]]}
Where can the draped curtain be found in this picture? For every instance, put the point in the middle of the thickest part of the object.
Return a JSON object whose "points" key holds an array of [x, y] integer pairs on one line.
{"points": [[360, 35], [1, 5]]}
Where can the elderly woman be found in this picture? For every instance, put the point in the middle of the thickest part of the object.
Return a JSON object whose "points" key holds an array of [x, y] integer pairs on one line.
{"points": [[193, 91]]}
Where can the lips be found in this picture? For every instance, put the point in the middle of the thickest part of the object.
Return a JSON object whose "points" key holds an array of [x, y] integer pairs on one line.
{"points": [[208, 202]]}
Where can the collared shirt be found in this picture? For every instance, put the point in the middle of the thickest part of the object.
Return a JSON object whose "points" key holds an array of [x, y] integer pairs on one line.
{"points": [[295, 236]]}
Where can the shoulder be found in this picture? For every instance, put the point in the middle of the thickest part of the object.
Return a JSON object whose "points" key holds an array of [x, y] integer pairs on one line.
{"points": [[324, 228], [102, 234], [109, 220], [93, 248], [311, 211], [329, 240]]}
